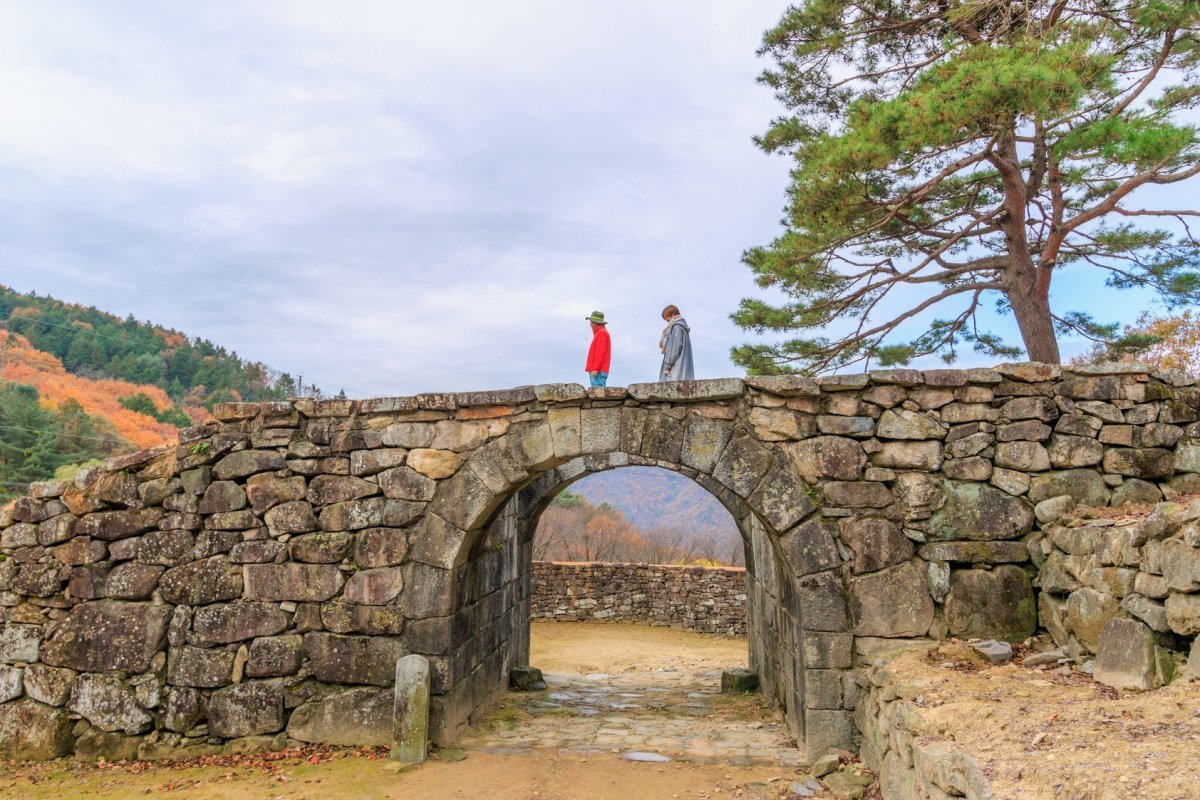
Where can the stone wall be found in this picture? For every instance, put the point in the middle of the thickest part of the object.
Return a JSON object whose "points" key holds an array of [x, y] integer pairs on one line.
{"points": [[911, 757], [1125, 590], [701, 599], [257, 581]]}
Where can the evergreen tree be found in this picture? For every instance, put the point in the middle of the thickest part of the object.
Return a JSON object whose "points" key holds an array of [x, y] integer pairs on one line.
{"points": [[951, 154]]}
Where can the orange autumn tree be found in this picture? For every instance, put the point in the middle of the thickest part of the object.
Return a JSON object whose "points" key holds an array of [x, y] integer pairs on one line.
{"points": [[1168, 342]]}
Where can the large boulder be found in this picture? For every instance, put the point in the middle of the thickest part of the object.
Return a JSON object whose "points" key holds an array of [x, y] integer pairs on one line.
{"points": [[108, 635], [979, 512], [991, 604], [355, 718]]}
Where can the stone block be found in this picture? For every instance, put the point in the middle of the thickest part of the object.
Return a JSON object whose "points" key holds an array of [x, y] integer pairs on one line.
{"points": [[247, 709], [325, 490], [998, 552], [329, 547], [31, 731], [566, 431], [1125, 657], [828, 457], [201, 582], [275, 656], [374, 587], [199, 667], [435, 464], [222, 496], [780, 498], [405, 483], [876, 543], [354, 718], [301, 583], [107, 635], [909, 455], [742, 465], [1152, 613], [353, 659], [1088, 611], [108, 703], [979, 512], [688, 391], [294, 516], [704, 440], [339, 617], [991, 604], [784, 385], [112, 525], [1085, 485], [1183, 613], [380, 547], [226, 623], [600, 430], [892, 603], [822, 599], [827, 650], [353, 515], [248, 462], [169, 548], [857, 494], [904, 424], [410, 710], [49, 685], [1151, 463], [1022, 456], [809, 547], [132, 581]]}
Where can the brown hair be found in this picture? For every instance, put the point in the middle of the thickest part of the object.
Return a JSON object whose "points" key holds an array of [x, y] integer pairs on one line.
{"points": [[670, 311]]}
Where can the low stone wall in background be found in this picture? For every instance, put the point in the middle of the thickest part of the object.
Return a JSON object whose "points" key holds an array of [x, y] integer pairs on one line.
{"points": [[702, 599]]}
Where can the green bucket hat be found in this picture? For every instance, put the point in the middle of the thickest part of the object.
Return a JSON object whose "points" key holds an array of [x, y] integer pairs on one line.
{"points": [[597, 317]]}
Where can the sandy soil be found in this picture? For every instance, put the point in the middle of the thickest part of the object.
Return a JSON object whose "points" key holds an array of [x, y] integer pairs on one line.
{"points": [[321, 774], [613, 648], [479, 776], [1040, 734]]}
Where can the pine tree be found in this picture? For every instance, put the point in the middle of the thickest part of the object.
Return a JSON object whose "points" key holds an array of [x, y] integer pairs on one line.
{"points": [[952, 154]]}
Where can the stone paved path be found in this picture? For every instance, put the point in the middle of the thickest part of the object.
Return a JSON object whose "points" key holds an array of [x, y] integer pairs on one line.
{"points": [[674, 713]]}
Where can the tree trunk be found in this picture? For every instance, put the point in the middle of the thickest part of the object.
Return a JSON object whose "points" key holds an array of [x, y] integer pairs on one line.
{"points": [[1032, 310]]}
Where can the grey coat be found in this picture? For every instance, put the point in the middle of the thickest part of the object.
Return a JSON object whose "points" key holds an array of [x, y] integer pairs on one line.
{"points": [[677, 353]]}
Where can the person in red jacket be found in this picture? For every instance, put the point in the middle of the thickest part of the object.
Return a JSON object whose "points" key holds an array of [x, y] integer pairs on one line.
{"points": [[600, 353]]}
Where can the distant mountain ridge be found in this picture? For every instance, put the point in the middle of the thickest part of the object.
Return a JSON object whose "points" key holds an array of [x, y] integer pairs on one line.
{"points": [[652, 498]]}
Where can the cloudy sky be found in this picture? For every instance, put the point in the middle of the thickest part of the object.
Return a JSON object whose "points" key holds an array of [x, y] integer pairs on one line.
{"points": [[392, 197]]}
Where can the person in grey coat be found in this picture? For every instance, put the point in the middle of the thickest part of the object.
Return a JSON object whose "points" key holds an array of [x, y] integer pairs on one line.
{"points": [[676, 346]]}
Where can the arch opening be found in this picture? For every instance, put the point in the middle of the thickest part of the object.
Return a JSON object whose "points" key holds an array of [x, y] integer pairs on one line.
{"points": [[493, 593]]}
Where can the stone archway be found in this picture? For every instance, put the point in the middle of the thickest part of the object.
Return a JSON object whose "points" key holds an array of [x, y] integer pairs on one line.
{"points": [[486, 512]]}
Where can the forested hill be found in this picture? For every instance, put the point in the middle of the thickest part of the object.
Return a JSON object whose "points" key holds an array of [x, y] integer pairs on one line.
{"points": [[193, 372], [78, 384]]}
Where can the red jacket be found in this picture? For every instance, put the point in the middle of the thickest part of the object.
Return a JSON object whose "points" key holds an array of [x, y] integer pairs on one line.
{"points": [[600, 353]]}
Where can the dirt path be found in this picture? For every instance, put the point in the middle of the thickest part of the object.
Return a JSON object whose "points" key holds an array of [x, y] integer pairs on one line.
{"points": [[568, 647]]}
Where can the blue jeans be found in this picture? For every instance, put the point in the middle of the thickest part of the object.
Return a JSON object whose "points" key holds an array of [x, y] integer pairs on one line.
{"points": [[598, 378]]}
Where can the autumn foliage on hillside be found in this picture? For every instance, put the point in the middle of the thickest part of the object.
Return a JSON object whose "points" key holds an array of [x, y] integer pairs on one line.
{"points": [[22, 363]]}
